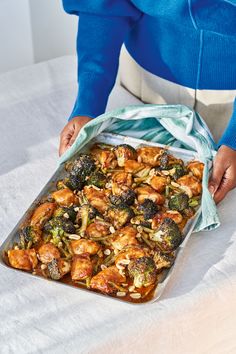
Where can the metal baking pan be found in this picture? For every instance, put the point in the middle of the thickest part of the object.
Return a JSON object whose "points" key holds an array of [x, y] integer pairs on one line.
{"points": [[112, 139]]}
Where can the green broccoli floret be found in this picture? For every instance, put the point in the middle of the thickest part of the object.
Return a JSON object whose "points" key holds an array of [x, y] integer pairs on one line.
{"points": [[29, 236], [178, 171], [143, 270], [66, 212], [168, 235], [124, 152], [120, 214], [127, 197], [57, 227], [148, 208], [179, 202], [97, 179]]}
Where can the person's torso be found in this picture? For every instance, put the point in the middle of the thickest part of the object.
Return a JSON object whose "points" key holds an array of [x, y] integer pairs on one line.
{"points": [[192, 43]]}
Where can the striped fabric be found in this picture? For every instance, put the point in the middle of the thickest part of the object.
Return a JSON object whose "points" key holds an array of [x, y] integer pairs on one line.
{"points": [[174, 125]]}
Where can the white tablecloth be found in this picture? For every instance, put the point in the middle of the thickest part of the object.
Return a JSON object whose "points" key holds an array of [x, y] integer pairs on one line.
{"points": [[197, 312]]}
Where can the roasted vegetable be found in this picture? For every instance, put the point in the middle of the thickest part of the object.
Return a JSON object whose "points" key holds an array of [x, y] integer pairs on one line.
{"points": [[120, 214], [163, 260], [57, 268], [74, 182], [148, 208], [83, 166], [127, 197], [123, 153], [178, 202], [67, 213], [178, 170], [143, 270], [59, 225], [97, 179], [29, 236], [168, 235]]}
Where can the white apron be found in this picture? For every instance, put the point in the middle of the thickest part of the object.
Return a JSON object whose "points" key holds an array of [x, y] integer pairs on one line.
{"points": [[215, 106]]}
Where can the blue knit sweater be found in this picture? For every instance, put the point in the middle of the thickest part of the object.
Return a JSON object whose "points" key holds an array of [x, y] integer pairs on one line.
{"points": [[188, 42]]}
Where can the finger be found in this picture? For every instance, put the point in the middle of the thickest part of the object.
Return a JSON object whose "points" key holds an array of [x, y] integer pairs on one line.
{"points": [[216, 176], [227, 183], [75, 134], [64, 143]]}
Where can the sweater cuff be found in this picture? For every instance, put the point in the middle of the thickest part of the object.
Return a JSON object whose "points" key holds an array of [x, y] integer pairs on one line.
{"points": [[229, 136], [93, 93]]}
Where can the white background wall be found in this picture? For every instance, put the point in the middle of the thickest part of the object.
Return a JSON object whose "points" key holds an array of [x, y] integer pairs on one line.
{"points": [[33, 31]]}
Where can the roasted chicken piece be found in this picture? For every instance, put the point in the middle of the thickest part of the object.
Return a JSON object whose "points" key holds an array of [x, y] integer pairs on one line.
{"points": [[124, 237], [158, 183], [84, 246], [122, 178], [97, 198], [64, 197], [81, 268], [42, 214], [149, 193], [191, 185], [174, 215], [128, 253], [57, 268], [23, 259], [97, 229], [132, 166], [196, 168], [48, 252], [149, 155], [107, 280], [106, 157]]}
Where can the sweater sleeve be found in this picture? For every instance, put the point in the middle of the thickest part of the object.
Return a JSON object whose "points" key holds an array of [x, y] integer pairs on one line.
{"points": [[103, 26], [229, 136]]}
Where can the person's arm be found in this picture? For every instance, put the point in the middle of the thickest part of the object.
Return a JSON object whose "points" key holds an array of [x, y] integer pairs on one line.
{"points": [[223, 177], [103, 26]]}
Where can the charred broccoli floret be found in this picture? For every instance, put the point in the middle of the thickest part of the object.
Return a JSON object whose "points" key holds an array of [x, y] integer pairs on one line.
{"points": [[168, 235], [178, 171], [179, 202], [57, 226], [97, 179], [148, 208], [64, 212], [127, 197], [120, 214], [124, 152], [164, 160], [143, 270], [57, 268], [74, 182], [29, 235], [82, 167]]}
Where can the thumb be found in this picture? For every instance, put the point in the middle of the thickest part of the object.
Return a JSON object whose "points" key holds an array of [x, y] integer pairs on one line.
{"points": [[216, 176]]}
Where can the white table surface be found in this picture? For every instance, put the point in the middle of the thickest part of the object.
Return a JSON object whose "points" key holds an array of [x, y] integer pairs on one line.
{"points": [[197, 312]]}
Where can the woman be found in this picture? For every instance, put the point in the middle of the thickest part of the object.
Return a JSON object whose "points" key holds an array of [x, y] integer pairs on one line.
{"points": [[176, 52]]}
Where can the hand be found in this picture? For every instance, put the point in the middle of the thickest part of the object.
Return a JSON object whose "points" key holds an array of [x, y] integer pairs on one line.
{"points": [[223, 177], [70, 132]]}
